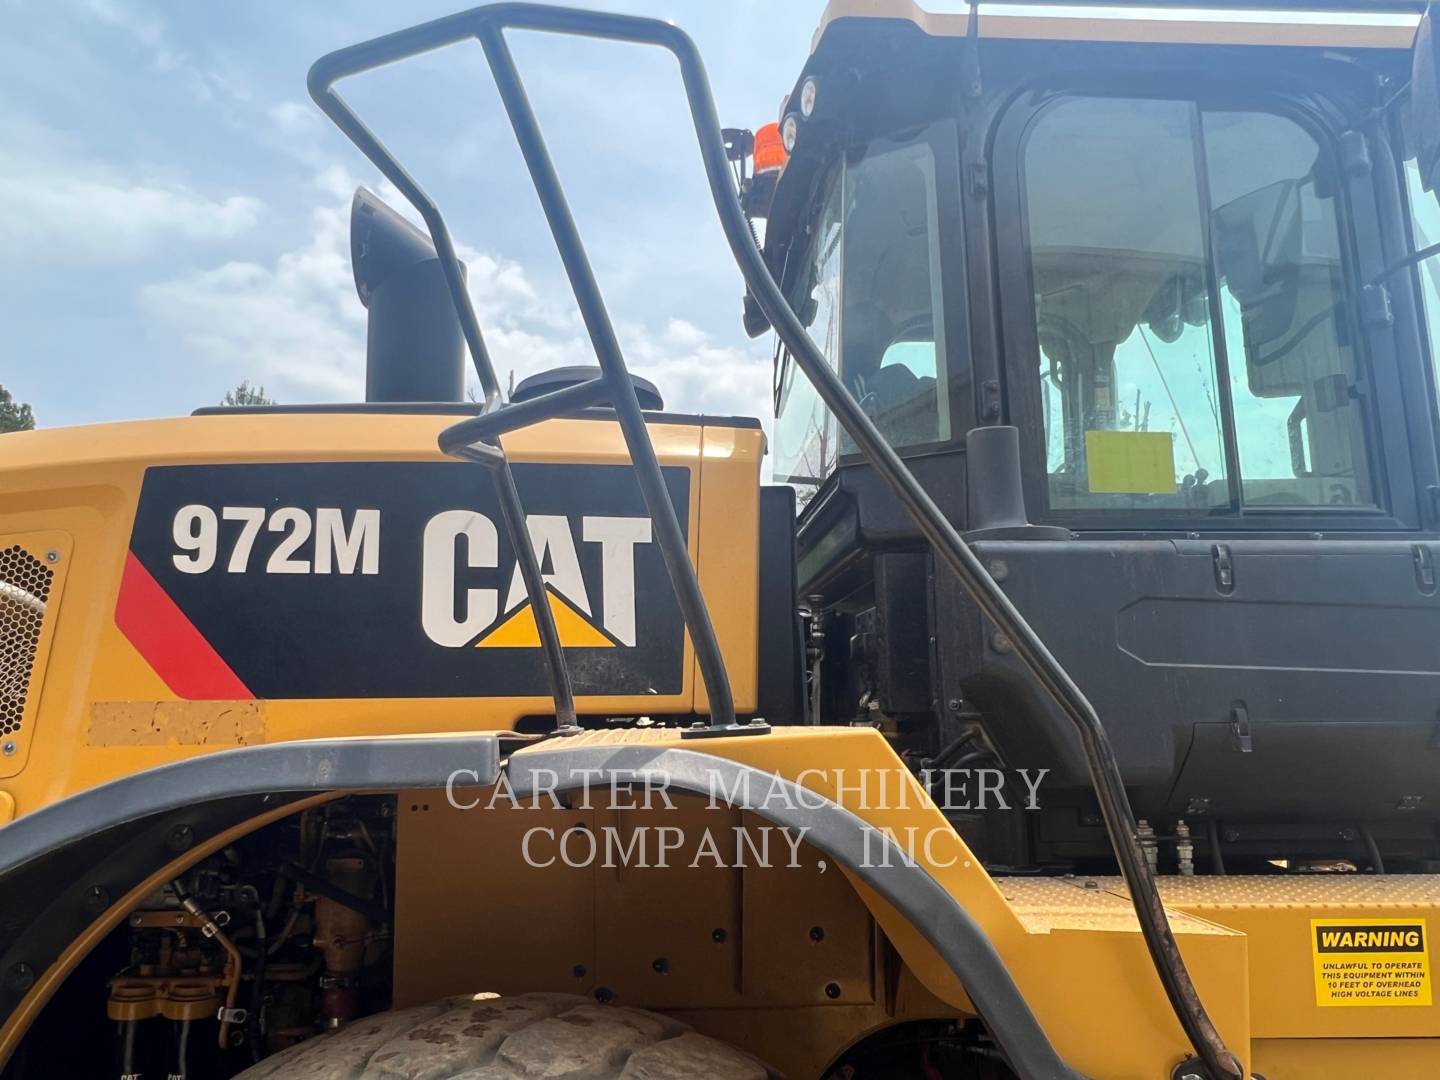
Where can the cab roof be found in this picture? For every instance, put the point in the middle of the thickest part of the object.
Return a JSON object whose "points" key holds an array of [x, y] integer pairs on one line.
{"points": [[1351, 24]]}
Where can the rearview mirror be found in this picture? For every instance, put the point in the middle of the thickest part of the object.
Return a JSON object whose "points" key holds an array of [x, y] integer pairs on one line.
{"points": [[1258, 242], [1425, 104]]}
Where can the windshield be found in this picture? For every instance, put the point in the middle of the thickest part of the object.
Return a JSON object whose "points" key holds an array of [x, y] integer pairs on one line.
{"points": [[870, 298]]}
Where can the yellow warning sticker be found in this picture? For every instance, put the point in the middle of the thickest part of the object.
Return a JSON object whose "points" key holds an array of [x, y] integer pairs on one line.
{"points": [[1131, 462], [1370, 961]]}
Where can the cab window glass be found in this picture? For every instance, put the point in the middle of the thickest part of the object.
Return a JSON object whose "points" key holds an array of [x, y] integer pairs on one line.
{"points": [[1117, 249], [1148, 221], [893, 323], [1425, 222], [870, 298], [804, 429], [1300, 418]]}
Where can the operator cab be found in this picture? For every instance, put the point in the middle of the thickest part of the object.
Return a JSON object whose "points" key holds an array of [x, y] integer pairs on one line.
{"points": [[1165, 246]]}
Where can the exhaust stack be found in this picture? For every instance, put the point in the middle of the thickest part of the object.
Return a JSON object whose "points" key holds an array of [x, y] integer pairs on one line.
{"points": [[414, 350]]}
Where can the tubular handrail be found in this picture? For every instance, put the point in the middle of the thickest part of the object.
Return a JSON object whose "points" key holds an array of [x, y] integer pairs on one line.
{"points": [[487, 25], [478, 439]]}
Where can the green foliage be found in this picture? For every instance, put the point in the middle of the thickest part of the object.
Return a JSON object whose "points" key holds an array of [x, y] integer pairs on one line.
{"points": [[245, 394], [14, 416]]}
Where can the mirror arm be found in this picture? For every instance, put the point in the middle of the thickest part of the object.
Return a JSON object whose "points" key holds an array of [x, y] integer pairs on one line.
{"points": [[1381, 111], [1400, 264]]}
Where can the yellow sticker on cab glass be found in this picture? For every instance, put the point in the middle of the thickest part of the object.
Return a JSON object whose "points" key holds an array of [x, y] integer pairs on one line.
{"points": [[1367, 962], [1131, 462]]}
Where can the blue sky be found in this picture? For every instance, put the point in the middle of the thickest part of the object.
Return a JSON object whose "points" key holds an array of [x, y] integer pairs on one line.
{"points": [[174, 210]]}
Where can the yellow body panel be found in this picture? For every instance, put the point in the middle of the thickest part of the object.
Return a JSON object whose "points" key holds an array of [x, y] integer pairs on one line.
{"points": [[1306, 1059], [649, 936], [1072, 945], [77, 488], [1275, 913]]}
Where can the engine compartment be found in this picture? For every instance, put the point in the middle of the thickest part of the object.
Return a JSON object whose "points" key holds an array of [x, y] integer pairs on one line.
{"points": [[279, 936]]}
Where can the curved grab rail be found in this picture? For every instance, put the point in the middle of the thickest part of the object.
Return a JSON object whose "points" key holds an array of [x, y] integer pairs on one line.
{"points": [[487, 24], [477, 439]]}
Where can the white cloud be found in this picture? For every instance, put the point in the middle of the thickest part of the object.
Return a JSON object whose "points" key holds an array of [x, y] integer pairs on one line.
{"points": [[62, 204], [296, 325], [696, 375], [147, 31], [294, 119], [67, 208], [150, 34]]}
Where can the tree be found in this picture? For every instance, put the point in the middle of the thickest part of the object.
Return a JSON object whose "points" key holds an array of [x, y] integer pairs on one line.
{"points": [[245, 394], [13, 416]]}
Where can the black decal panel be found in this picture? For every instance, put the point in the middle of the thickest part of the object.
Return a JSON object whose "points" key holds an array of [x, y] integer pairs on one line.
{"points": [[317, 580]]}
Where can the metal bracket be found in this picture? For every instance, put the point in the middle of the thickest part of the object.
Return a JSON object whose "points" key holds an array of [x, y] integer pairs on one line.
{"points": [[1375, 306], [979, 180], [1355, 153], [712, 731], [1224, 568], [1424, 568], [1240, 738]]}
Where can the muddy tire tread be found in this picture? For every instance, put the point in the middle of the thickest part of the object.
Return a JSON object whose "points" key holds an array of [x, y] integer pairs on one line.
{"points": [[525, 1037]]}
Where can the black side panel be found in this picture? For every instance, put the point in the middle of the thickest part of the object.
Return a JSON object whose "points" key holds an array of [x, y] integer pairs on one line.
{"points": [[1250, 673], [859, 510], [901, 648], [782, 650]]}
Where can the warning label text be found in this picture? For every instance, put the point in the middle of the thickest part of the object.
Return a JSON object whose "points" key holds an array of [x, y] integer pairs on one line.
{"points": [[1376, 962]]}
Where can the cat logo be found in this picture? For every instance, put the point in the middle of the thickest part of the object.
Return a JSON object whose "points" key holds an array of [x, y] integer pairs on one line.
{"points": [[455, 617], [396, 579]]}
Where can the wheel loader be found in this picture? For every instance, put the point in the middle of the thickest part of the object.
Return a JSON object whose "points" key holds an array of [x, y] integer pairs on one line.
{"points": [[1054, 693]]}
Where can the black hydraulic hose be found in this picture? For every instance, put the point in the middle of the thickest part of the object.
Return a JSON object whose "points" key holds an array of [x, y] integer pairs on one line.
{"points": [[1217, 857], [257, 985], [1377, 864], [127, 1048], [952, 548], [322, 887]]}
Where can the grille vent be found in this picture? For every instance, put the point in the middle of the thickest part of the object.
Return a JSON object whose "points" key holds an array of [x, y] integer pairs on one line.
{"points": [[24, 589]]}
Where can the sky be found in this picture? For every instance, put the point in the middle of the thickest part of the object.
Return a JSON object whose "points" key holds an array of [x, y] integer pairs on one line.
{"points": [[174, 209]]}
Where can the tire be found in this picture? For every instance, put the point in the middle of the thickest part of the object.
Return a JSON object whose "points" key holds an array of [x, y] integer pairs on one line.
{"points": [[484, 1037]]}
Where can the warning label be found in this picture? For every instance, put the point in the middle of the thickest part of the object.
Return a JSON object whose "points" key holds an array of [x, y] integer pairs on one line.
{"points": [[1375, 962]]}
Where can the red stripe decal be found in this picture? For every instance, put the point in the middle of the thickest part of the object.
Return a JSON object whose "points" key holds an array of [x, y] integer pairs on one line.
{"points": [[169, 641]]}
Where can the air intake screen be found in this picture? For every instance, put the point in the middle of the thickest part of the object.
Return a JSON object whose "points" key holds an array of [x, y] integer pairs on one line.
{"points": [[24, 588]]}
